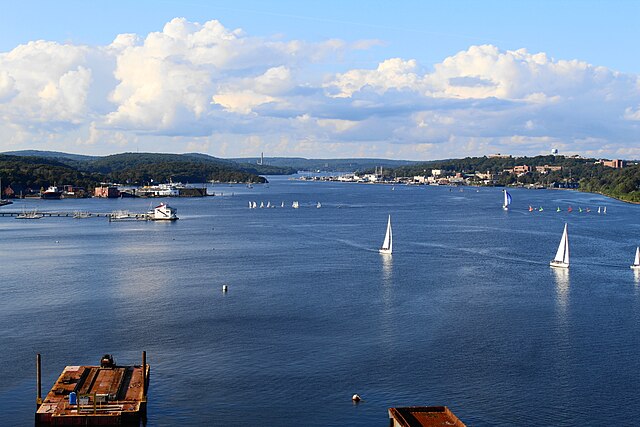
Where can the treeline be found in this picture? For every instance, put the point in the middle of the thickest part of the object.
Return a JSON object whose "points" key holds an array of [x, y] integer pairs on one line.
{"points": [[623, 184], [35, 173]]}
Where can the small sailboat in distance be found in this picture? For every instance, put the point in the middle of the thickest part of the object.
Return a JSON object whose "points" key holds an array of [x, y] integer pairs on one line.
{"points": [[636, 261], [561, 259], [507, 200], [387, 245]]}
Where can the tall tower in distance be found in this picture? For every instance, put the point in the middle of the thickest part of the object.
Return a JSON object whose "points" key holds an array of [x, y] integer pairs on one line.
{"points": [[261, 161]]}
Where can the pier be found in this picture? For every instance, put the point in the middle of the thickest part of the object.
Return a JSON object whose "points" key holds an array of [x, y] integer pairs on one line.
{"points": [[108, 394], [59, 214]]}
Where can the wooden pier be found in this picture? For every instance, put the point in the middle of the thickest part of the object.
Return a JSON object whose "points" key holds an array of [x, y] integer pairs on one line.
{"points": [[59, 214], [108, 394]]}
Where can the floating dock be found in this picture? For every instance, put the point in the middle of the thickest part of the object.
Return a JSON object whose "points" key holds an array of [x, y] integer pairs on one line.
{"points": [[108, 394], [423, 416]]}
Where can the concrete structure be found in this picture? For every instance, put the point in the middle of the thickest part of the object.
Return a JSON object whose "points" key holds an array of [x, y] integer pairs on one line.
{"points": [[616, 164]]}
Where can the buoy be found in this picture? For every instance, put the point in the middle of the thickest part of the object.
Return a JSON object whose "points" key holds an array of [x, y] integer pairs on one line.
{"points": [[356, 398], [224, 288]]}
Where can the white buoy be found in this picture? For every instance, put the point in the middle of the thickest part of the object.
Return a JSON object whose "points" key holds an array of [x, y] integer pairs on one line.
{"points": [[356, 398], [224, 288]]}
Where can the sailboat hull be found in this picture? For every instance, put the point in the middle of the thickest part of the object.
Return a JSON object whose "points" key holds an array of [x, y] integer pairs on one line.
{"points": [[635, 267], [558, 264]]}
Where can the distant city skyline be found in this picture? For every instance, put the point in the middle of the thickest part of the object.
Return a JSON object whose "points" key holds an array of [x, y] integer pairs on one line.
{"points": [[409, 80]]}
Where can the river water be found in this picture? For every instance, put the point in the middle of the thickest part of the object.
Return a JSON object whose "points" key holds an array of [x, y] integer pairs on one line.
{"points": [[466, 312]]}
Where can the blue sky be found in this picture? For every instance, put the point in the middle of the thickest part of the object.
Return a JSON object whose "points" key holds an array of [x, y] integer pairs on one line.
{"points": [[412, 79]]}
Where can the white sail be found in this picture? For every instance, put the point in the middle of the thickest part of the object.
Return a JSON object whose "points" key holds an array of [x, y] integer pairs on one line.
{"points": [[562, 254], [387, 245], [636, 261], [507, 200]]}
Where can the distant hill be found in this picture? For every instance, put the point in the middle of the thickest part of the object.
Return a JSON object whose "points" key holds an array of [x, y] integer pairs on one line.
{"points": [[327, 165], [49, 154]]}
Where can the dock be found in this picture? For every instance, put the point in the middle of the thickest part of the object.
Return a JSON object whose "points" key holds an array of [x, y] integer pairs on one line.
{"points": [[423, 416], [108, 394]]}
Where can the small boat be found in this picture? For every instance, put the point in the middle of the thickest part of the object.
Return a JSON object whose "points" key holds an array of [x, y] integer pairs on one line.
{"points": [[507, 200], [579, 209], [254, 205], [604, 211], [250, 205], [588, 210], [569, 209], [598, 209], [636, 261], [540, 209], [123, 215], [29, 215], [81, 214], [282, 205], [530, 208], [561, 259], [261, 205], [295, 205], [558, 210], [318, 205], [268, 204], [387, 245]]}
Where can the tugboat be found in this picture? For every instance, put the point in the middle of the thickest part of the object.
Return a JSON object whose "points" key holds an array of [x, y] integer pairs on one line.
{"points": [[52, 193]]}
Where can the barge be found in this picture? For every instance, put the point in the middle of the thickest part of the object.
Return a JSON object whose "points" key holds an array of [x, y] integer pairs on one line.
{"points": [[108, 394]]}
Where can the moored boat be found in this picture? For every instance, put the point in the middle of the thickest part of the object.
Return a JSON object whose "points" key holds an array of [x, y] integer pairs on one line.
{"points": [[163, 212]]}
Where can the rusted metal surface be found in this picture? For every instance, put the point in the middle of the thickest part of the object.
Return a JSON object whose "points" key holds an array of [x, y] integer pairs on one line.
{"points": [[105, 396], [423, 416]]}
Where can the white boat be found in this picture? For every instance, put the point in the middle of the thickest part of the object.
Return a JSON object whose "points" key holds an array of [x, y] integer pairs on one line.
{"points": [[268, 204], [636, 261], [123, 215], [261, 205], [295, 205], [250, 205], [254, 205], [318, 205], [81, 214], [282, 205], [604, 211], [29, 215], [561, 259], [163, 212], [387, 245], [598, 209], [507, 200]]}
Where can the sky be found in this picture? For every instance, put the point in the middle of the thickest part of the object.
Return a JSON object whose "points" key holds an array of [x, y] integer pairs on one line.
{"points": [[416, 80]]}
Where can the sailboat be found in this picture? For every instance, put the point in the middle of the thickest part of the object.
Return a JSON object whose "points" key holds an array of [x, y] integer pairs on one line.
{"points": [[598, 209], [530, 208], [561, 259], [295, 204], [507, 200], [604, 211], [318, 205], [387, 245], [636, 262]]}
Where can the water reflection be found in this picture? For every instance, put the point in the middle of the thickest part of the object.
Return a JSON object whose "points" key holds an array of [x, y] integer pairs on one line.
{"points": [[636, 276], [387, 269], [561, 276]]}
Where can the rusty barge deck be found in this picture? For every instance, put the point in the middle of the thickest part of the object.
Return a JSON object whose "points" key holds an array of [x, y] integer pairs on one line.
{"points": [[108, 394]]}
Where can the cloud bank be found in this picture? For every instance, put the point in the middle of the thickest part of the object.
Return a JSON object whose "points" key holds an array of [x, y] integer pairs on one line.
{"points": [[205, 87]]}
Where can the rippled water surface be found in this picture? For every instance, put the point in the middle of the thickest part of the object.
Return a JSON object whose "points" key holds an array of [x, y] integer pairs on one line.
{"points": [[466, 313]]}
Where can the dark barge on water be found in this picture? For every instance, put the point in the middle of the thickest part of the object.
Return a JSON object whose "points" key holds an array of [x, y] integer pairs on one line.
{"points": [[108, 394]]}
